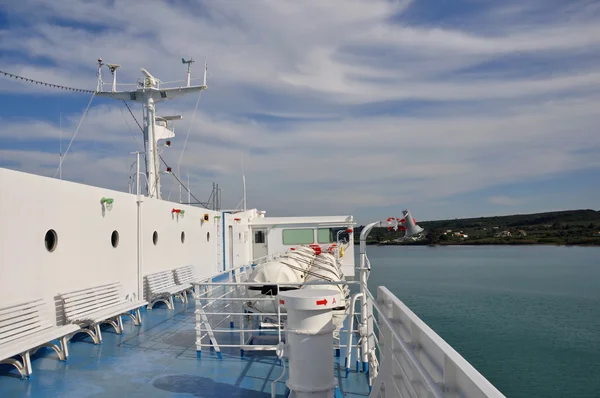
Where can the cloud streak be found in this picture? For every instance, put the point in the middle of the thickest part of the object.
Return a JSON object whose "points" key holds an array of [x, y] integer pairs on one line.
{"points": [[374, 102]]}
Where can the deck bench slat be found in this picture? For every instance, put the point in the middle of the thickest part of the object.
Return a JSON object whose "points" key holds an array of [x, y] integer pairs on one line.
{"points": [[161, 286], [26, 326], [95, 305]]}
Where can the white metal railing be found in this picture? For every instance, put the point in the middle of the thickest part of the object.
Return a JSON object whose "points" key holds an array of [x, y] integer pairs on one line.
{"points": [[228, 318], [406, 358], [415, 361]]}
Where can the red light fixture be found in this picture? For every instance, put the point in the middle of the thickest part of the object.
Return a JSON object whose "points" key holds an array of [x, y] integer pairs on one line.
{"points": [[176, 211], [349, 230], [168, 169], [168, 143]]}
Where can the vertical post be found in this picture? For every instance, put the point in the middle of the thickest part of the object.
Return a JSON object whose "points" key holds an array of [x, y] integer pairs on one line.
{"points": [[244, 183], [151, 154], [99, 86], [114, 82], [366, 307], [140, 232], [60, 144]]}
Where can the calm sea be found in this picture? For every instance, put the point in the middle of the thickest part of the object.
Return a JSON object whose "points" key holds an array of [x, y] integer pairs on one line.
{"points": [[528, 318]]}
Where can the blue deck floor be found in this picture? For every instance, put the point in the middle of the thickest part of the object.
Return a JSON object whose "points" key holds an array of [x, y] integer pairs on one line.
{"points": [[157, 359]]}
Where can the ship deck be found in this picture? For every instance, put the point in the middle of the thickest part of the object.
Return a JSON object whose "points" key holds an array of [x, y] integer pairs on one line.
{"points": [[157, 359]]}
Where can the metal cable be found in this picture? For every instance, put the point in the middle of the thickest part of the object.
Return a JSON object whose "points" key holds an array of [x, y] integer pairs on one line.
{"points": [[75, 134], [79, 90]]}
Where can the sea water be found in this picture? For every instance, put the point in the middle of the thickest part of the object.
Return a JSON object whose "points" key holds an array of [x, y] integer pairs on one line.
{"points": [[527, 318]]}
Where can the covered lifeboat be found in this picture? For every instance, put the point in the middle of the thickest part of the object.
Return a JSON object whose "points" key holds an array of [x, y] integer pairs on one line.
{"points": [[298, 269], [287, 271]]}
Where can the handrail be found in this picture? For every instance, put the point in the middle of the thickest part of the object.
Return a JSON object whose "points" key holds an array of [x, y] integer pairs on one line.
{"points": [[431, 384], [454, 372]]}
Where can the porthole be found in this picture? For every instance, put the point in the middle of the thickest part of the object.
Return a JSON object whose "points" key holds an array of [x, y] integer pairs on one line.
{"points": [[155, 238], [240, 236], [114, 239], [208, 236], [51, 240], [182, 236]]}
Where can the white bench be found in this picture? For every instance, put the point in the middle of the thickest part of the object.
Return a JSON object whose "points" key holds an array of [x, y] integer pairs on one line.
{"points": [[91, 307], [185, 275], [24, 328], [161, 286]]}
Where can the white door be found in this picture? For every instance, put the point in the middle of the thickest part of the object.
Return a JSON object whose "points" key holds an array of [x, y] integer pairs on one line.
{"points": [[259, 243]]}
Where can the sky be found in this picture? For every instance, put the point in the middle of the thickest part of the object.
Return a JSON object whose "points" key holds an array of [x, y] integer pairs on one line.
{"points": [[451, 108]]}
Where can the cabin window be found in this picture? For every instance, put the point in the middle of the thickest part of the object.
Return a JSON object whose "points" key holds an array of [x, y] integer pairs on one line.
{"points": [[325, 235], [155, 238], [330, 235], [298, 236], [114, 239], [51, 240], [182, 237], [259, 237]]}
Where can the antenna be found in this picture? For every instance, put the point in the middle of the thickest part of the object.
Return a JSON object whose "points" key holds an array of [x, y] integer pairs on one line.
{"points": [[205, 69], [244, 181], [113, 70], [189, 68], [60, 138], [100, 64]]}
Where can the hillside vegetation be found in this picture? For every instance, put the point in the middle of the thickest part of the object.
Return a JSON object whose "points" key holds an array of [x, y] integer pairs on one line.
{"points": [[572, 227]]}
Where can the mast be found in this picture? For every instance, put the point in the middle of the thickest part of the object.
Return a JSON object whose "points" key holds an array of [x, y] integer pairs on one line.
{"points": [[148, 94]]}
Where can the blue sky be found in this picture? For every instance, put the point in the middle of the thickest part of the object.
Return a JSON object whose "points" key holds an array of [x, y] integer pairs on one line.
{"points": [[365, 107]]}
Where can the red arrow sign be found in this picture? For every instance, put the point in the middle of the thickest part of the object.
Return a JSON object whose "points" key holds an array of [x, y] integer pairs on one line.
{"points": [[322, 302]]}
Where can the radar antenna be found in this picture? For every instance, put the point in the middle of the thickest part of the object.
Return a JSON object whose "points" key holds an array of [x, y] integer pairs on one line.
{"points": [[113, 70]]}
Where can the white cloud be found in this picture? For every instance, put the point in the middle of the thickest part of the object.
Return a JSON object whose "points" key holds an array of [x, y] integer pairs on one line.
{"points": [[327, 70]]}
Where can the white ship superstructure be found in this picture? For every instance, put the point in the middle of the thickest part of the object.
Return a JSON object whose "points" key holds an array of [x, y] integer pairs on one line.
{"points": [[140, 296]]}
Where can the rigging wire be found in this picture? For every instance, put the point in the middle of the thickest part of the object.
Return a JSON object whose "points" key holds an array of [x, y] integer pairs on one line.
{"points": [[142, 130], [74, 134], [133, 116], [79, 90], [137, 144], [187, 136], [180, 182]]}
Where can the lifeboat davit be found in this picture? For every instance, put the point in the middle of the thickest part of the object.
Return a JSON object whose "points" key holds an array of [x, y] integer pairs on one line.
{"points": [[327, 269]]}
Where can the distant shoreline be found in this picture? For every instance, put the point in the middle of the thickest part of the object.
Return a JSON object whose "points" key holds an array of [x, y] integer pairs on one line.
{"points": [[560, 228], [475, 243]]}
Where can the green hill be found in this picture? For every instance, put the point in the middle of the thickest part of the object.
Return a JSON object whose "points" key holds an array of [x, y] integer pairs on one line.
{"points": [[570, 227]]}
